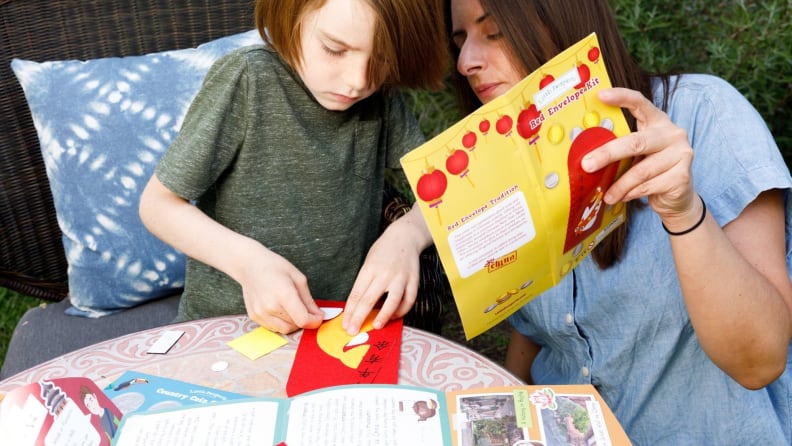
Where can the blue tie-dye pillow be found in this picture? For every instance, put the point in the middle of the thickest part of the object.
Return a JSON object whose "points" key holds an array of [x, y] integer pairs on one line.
{"points": [[103, 124]]}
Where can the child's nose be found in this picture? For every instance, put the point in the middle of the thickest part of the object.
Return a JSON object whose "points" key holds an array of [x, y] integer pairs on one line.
{"points": [[357, 75]]}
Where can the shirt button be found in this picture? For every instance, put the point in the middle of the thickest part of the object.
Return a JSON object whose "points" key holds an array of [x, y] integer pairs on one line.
{"points": [[584, 371], [569, 319]]}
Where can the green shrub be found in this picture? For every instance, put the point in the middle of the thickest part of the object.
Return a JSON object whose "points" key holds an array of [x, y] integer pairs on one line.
{"points": [[748, 43]]}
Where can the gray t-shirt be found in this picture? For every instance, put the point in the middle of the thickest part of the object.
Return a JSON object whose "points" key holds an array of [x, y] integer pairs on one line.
{"points": [[259, 155]]}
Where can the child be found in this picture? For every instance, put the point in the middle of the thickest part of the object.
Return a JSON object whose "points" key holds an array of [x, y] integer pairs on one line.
{"points": [[284, 151]]}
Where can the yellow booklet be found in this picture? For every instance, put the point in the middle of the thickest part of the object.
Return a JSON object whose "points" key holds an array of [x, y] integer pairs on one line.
{"points": [[510, 210]]}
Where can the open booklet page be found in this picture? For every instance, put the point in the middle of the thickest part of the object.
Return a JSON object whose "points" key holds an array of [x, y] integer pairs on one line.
{"points": [[241, 422], [533, 416], [389, 415], [502, 191], [377, 416]]}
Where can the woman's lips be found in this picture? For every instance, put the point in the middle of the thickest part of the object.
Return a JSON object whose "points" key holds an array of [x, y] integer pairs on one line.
{"points": [[485, 92]]}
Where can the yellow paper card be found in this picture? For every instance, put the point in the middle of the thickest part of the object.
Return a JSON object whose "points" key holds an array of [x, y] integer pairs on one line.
{"points": [[257, 343]]}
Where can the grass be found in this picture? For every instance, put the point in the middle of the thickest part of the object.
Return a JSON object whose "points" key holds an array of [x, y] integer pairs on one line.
{"points": [[12, 306]]}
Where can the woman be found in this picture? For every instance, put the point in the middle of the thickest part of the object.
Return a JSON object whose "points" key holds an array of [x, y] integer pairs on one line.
{"points": [[681, 319]]}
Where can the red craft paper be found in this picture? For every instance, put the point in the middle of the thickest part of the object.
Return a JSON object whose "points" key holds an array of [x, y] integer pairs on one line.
{"points": [[314, 368]]}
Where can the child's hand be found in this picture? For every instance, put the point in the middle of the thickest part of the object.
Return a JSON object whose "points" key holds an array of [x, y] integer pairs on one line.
{"points": [[276, 294], [391, 267]]}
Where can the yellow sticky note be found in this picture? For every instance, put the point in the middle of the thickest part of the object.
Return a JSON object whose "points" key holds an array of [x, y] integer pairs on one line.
{"points": [[257, 343]]}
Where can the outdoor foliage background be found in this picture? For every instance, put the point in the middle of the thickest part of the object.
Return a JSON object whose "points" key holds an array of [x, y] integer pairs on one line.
{"points": [[748, 43]]}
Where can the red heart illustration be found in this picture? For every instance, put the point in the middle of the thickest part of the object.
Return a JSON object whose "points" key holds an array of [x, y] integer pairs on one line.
{"points": [[586, 189]]}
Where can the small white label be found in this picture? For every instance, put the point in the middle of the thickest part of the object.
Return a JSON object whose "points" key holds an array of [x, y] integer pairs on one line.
{"points": [[165, 342]]}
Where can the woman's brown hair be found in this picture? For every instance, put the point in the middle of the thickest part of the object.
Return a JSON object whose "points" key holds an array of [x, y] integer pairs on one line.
{"points": [[409, 48], [536, 30]]}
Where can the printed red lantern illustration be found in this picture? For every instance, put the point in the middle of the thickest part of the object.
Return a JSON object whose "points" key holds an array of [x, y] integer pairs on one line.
{"points": [[431, 186], [469, 141], [457, 164], [484, 126], [504, 125], [529, 121], [585, 74], [593, 54], [547, 80]]}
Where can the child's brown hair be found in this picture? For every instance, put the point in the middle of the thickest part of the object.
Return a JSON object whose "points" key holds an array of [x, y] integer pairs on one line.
{"points": [[409, 48]]}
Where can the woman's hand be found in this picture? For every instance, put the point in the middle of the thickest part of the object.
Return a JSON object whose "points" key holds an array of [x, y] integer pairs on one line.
{"points": [[733, 279], [661, 166]]}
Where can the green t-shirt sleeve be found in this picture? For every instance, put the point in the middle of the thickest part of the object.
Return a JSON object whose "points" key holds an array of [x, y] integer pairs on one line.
{"points": [[404, 135], [212, 132]]}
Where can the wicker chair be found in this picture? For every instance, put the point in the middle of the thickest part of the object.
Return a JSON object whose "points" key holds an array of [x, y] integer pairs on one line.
{"points": [[32, 259]]}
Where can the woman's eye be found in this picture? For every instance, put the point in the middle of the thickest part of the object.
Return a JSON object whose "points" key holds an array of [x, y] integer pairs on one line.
{"points": [[494, 36]]}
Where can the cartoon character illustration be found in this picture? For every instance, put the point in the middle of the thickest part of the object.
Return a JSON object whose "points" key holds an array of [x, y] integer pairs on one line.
{"points": [[107, 420]]}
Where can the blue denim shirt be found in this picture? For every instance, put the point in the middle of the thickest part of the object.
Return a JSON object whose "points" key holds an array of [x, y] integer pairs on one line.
{"points": [[626, 329]]}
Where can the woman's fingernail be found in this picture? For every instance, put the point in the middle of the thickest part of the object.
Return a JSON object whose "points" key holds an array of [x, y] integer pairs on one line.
{"points": [[587, 163]]}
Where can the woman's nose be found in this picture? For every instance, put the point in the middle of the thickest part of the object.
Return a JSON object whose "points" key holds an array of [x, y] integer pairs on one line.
{"points": [[470, 60]]}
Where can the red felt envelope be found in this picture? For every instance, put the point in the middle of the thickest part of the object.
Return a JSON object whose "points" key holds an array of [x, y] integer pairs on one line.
{"points": [[328, 356]]}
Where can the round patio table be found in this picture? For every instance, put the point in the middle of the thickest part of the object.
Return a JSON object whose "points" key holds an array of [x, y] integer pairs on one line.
{"points": [[426, 360]]}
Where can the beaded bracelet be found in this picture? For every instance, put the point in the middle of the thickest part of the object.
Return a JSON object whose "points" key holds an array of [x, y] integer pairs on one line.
{"points": [[690, 229]]}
